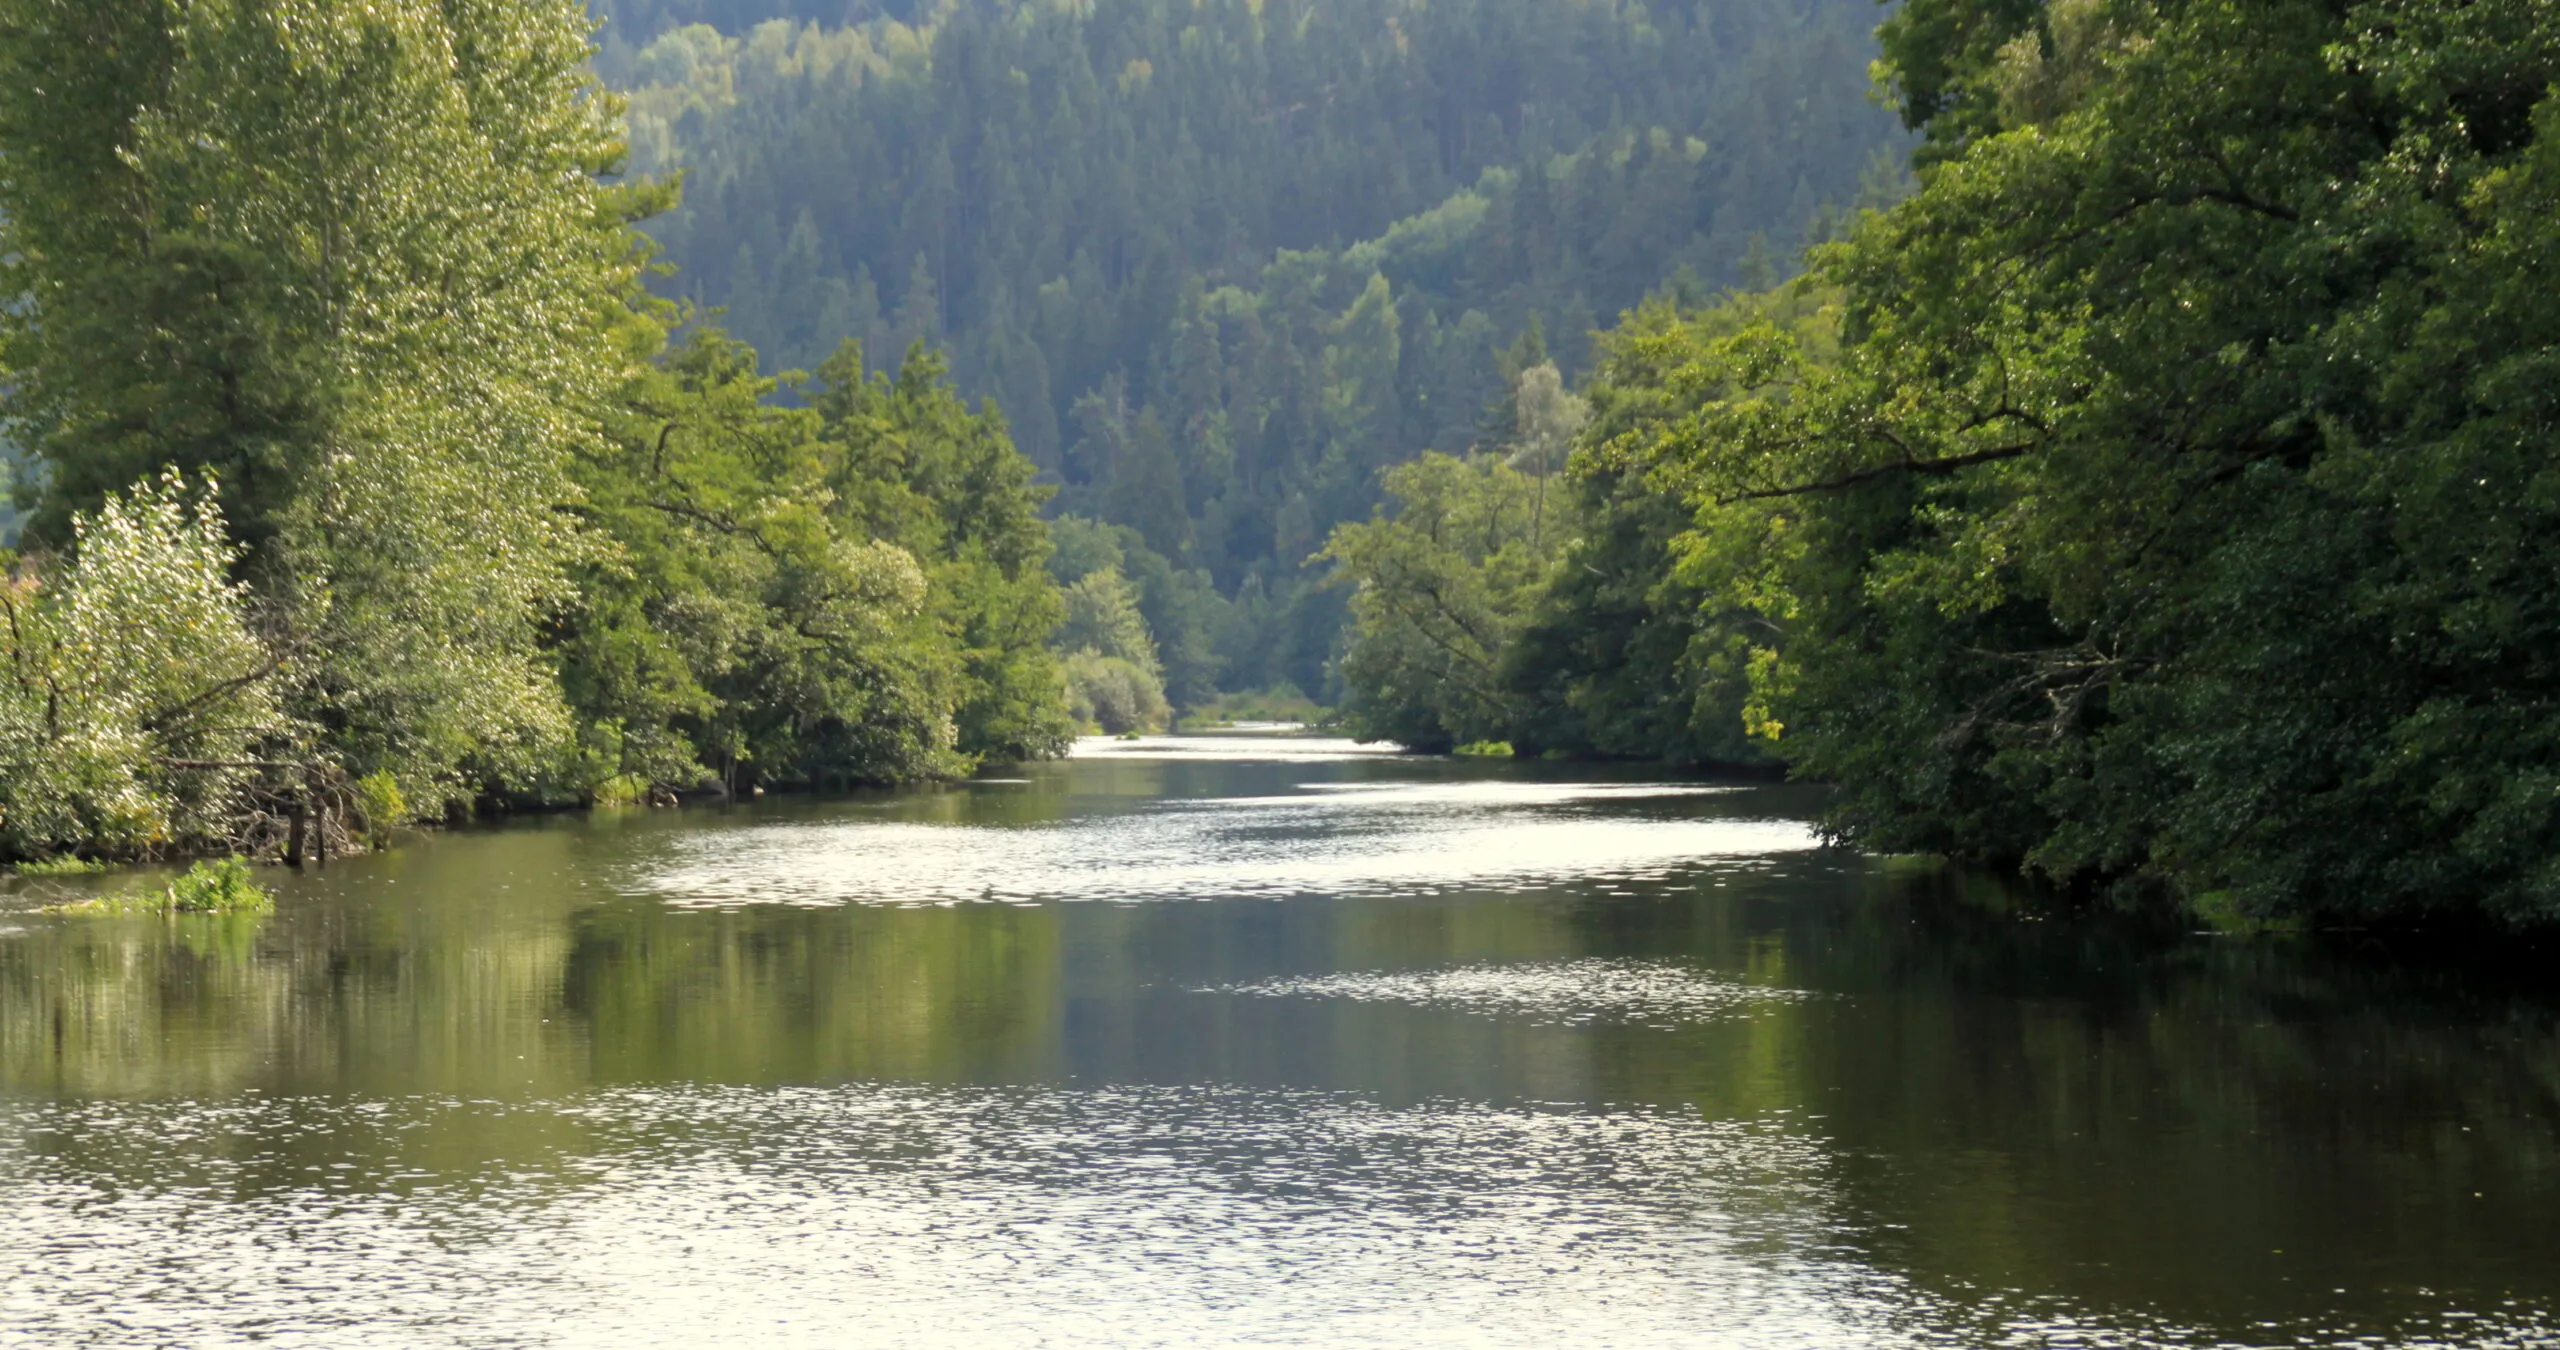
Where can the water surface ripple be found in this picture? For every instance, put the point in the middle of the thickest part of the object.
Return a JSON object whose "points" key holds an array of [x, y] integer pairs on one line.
{"points": [[1364, 1050], [1596, 989], [1367, 839]]}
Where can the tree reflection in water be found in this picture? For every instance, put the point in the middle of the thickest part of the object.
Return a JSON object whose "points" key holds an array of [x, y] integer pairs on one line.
{"points": [[1295, 1046]]}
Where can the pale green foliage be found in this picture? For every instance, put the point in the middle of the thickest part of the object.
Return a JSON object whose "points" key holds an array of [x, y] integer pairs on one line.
{"points": [[1549, 417], [1116, 695], [353, 256], [626, 789], [1113, 679], [130, 683], [1187, 622], [380, 804], [67, 865], [1102, 618], [220, 886], [214, 886], [2041, 75]]}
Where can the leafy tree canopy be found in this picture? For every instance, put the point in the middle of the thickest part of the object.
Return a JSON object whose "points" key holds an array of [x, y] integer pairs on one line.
{"points": [[2177, 513]]}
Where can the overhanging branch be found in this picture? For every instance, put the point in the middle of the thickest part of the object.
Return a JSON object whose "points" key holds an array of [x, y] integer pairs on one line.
{"points": [[1945, 465]]}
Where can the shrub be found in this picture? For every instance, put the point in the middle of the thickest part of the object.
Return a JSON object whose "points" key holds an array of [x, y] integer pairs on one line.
{"points": [[379, 798], [65, 866], [1115, 695], [130, 683], [220, 886], [214, 886], [623, 789], [1281, 702]]}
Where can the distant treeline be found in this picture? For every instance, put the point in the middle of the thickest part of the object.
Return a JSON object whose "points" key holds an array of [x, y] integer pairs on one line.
{"points": [[1222, 263]]}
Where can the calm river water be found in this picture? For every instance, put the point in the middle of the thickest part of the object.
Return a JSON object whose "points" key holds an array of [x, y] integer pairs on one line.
{"points": [[1246, 1042]]}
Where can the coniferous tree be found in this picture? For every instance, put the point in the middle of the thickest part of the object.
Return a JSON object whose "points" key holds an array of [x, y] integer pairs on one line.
{"points": [[1294, 235]]}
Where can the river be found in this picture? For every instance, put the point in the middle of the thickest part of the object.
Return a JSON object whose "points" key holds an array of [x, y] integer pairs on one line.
{"points": [[1249, 1041]]}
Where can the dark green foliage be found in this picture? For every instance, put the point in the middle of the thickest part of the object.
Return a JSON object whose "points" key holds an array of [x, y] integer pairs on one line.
{"points": [[1942, 59], [2181, 514], [919, 469], [1222, 264], [12, 466], [1441, 591], [1572, 607]]}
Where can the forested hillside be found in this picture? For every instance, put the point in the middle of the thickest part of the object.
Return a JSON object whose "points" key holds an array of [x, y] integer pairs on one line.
{"points": [[1222, 264]]}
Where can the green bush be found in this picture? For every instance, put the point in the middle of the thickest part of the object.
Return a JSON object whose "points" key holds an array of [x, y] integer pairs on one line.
{"points": [[623, 789], [220, 886], [123, 674], [1115, 695], [2226, 913], [214, 886], [66, 866], [384, 806], [1283, 702]]}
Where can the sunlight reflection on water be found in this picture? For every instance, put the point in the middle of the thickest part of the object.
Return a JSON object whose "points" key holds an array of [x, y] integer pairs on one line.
{"points": [[1553, 1105], [1122, 1216], [931, 1217], [1380, 839], [1647, 993], [1254, 747]]}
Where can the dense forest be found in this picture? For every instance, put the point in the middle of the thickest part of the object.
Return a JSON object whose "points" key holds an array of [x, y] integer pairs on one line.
{"points": [[1220, 264], [2134, 465], [2162, 497]]}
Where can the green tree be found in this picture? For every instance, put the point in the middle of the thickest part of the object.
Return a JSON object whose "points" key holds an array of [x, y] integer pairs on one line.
{"points": [[735, 630], [1441, 590], [355, 261], [135, 699], [915, 466], [1643, 643], [847, 590], [1113, 678], [1347, 213], [1102, 618], [2177, 515]]}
